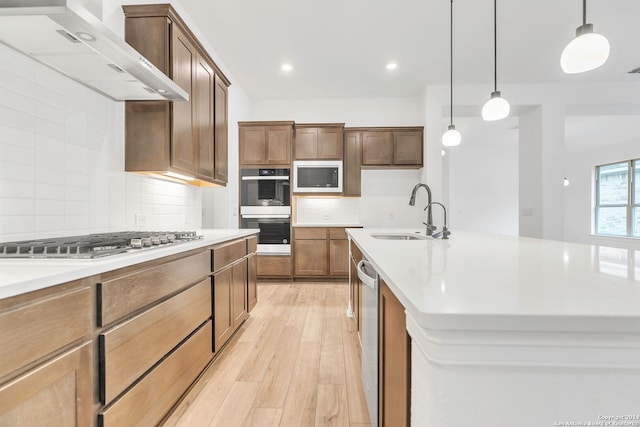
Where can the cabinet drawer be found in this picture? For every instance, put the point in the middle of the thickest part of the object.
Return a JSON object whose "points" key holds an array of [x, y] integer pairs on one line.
{"points": [[130, 349], [309, 233], [252, 244], [146, 403], [337, 234], [32, 331], [57, 393], [274, 266], [228, 253], [124, 295]]}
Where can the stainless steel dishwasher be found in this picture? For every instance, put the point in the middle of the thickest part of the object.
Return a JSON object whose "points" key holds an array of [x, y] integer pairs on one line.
{"points": [[369, 278]]}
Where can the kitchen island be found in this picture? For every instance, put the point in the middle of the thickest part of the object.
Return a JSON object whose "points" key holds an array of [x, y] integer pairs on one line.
{"points": [[515, 331]]}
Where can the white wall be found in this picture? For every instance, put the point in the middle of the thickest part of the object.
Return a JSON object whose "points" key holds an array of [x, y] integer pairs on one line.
{"points": [[483, 177], [385, 194]]}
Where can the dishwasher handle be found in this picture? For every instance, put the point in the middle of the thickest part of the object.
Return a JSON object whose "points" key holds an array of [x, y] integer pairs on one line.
{"points": [[367, 274]]}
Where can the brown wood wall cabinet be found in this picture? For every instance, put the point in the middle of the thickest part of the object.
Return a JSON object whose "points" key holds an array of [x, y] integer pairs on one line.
{"points": [[188, 138], [320, 252], [352, 164], [394, 362], [389, 147], [265, 144], [318, 141], [121, 348]]}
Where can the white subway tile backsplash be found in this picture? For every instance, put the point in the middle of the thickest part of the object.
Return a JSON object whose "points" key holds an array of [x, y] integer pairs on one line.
{"points": [[50, 223], [50, 207], [62, 162], [17, 207], [15, 136], [12, 189], [48, 191], [17, 224]]}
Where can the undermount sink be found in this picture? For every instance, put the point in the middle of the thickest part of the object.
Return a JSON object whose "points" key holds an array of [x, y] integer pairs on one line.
{"points": [[398, 236]]}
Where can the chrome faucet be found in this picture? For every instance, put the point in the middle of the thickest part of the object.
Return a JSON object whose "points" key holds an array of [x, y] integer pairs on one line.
{"points": [[445, 231], [412, 202]]}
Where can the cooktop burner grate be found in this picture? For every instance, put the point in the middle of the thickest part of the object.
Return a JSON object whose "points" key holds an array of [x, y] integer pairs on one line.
{"points": [[93, 245]]}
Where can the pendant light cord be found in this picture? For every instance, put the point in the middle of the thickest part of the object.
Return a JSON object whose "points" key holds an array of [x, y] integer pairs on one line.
{"points": [[495, 46], [451, 65], [584, 12]]}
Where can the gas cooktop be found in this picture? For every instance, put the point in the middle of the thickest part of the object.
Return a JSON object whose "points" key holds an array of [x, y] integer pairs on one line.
{"points": [[94, 245]]}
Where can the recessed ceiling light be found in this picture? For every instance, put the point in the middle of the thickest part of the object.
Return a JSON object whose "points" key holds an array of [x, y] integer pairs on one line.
{"points": [[286, 67], [392, 66]]}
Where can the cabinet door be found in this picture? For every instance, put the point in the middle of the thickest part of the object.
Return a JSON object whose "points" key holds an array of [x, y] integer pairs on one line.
{"points": [[339, 258], [203, 117], [394, 361], [57, 393], [352, 163], [310, 258], [239, 293], [221, 131], [183, 150], [252, 282], [407, 148], [252, 145], [274, 266], [306, 144], [222, 315], [330, 143], [278, 145], [377, 148]]}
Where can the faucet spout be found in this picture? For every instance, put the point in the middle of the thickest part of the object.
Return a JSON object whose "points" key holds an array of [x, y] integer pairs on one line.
{"points": [[445, 231], [412, 202]]}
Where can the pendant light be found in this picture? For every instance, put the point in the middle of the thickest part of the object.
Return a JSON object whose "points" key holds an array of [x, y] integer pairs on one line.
{"points": [[496, 108], [451, 137], [587, 51]]}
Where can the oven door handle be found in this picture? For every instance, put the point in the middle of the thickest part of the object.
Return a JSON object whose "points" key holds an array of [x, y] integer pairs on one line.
{"points": [[266, 178], [265, 216]]}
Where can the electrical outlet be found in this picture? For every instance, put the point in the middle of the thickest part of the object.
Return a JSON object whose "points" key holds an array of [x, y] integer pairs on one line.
{"points": [[392, 215], [141, 220]]}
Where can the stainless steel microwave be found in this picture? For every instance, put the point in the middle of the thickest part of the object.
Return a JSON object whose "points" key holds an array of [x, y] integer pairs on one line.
{"points": [[317, 176]]}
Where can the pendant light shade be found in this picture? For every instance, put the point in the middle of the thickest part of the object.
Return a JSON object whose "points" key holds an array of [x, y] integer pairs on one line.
{"points": [[587, 51], [496, 108], [451, 137]]}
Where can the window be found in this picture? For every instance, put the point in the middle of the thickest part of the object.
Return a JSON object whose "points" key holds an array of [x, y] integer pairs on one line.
{"points": [[618, 199]]}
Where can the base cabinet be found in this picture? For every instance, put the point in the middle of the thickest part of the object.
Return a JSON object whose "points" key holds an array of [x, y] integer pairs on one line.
{"points": [[320, 252], [394, 362], [58, 393], [252, 282]]}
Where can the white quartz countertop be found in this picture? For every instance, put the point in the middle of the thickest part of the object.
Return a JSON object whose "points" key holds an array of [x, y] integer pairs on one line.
{"points": [[505, 283], [18, 276]]}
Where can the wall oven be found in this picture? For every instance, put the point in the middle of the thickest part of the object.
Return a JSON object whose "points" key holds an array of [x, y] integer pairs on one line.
{"points": [[317, 176], [265, 204]]}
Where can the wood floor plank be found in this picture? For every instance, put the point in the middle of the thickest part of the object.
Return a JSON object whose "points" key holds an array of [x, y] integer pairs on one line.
{"points": [[264, 417], [236, 407], [259, 358], [332, 409], [300, 404], [214, 384], [275, 384], [332, 369], [353, 370]]}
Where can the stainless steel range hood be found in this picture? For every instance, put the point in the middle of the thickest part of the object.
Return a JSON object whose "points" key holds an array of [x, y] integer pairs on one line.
{"points": [[65, 36]]}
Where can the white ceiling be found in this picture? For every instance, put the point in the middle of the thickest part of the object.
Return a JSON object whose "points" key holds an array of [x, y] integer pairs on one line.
{"points": [[339, 48]]}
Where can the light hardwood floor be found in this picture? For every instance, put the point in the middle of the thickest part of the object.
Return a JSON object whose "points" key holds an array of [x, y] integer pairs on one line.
{"points": [[295, 362]]}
